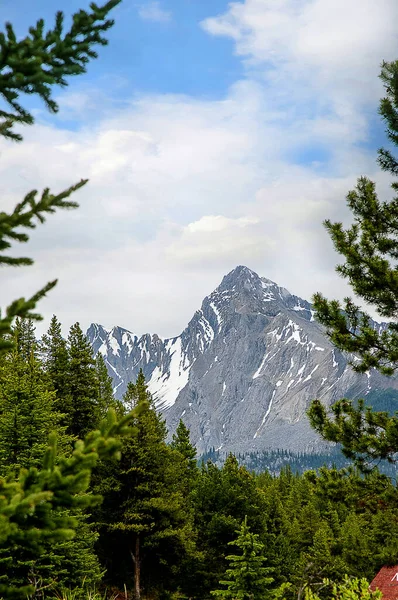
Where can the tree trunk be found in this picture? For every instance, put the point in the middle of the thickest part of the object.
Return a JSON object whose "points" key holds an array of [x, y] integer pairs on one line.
{"points": [[135, 555]]}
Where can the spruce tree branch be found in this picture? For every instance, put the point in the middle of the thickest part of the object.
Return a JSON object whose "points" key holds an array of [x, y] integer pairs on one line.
{"points": [[44, 59], [24, 215]]}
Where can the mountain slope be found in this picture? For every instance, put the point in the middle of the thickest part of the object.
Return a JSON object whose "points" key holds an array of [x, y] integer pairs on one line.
{"points": [[244, 370]]}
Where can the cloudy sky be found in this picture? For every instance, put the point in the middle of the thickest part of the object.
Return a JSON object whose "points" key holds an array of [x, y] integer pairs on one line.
{"points": [[213, 134]]}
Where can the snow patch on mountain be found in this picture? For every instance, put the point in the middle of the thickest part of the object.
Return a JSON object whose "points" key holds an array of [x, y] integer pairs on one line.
{"points": [[217, 313], [165, 387]]}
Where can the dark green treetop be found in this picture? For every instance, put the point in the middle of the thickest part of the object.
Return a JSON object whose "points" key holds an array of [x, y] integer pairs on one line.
{"points": [[106, 399], [82, 384], [182, 443], [55, 356]]}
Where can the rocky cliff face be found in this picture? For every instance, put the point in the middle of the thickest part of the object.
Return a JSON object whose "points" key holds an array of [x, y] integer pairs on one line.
{"points": [[243, 372]]}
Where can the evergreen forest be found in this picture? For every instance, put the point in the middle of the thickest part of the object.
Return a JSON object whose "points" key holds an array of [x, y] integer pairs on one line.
{"points": [[96, 501]]}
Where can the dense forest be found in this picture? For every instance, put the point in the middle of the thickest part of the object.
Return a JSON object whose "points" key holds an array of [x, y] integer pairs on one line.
{"points": [[166, 520], [93, 500]]}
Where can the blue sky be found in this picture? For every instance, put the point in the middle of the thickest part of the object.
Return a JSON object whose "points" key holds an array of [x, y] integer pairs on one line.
{"points": [[213, 133], [149, 53]]}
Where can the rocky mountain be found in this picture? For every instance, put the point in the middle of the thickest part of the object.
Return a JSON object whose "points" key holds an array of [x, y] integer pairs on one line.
{"points": [[243, 372]]}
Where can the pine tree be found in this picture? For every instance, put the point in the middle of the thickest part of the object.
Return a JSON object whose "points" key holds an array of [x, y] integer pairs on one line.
{"points": [[82, 384], [370, 249], [355, 542], [106, 399], [144, 518], [222, 498], [319, 561], [246, 578], [55, 357], [181, 442], [25, 339], [28, 412]]}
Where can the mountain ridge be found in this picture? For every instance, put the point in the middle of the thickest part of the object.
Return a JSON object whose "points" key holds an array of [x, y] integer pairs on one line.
{"points": [[243, 371]]}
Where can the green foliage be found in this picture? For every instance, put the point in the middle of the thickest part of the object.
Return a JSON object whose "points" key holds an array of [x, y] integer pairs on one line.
{"points": [[145, 517], [370, 250], [82, 384], [32, 506], [27, 407], [44, 58], [367, 436], [55, 357], [246, 577], [348, 589]]}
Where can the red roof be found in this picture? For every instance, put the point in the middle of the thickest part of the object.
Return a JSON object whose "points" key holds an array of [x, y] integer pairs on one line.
{"points": [[386, 581]]}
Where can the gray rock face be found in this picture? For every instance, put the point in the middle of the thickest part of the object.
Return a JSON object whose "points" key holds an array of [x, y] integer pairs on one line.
{"points": [[243, 372]]}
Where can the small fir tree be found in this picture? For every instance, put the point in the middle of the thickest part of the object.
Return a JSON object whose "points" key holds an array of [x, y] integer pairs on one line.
{"points": [[246, 578]]}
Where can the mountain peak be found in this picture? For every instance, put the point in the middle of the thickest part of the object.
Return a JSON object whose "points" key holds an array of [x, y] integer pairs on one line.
{"points": [[243, 371], [240, 277], [242, 272]]}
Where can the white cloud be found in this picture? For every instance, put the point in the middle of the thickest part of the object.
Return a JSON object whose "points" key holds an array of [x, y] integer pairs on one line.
{"points": [[182, 190], [152, 11], [217, 240], [212, 223], [324, 54]]}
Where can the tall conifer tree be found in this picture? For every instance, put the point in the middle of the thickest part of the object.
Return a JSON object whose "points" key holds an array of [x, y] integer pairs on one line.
{"points": [[106, 399], [370, 250], [82, 384], [55, 356], [145, 519], [182, 443]]}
